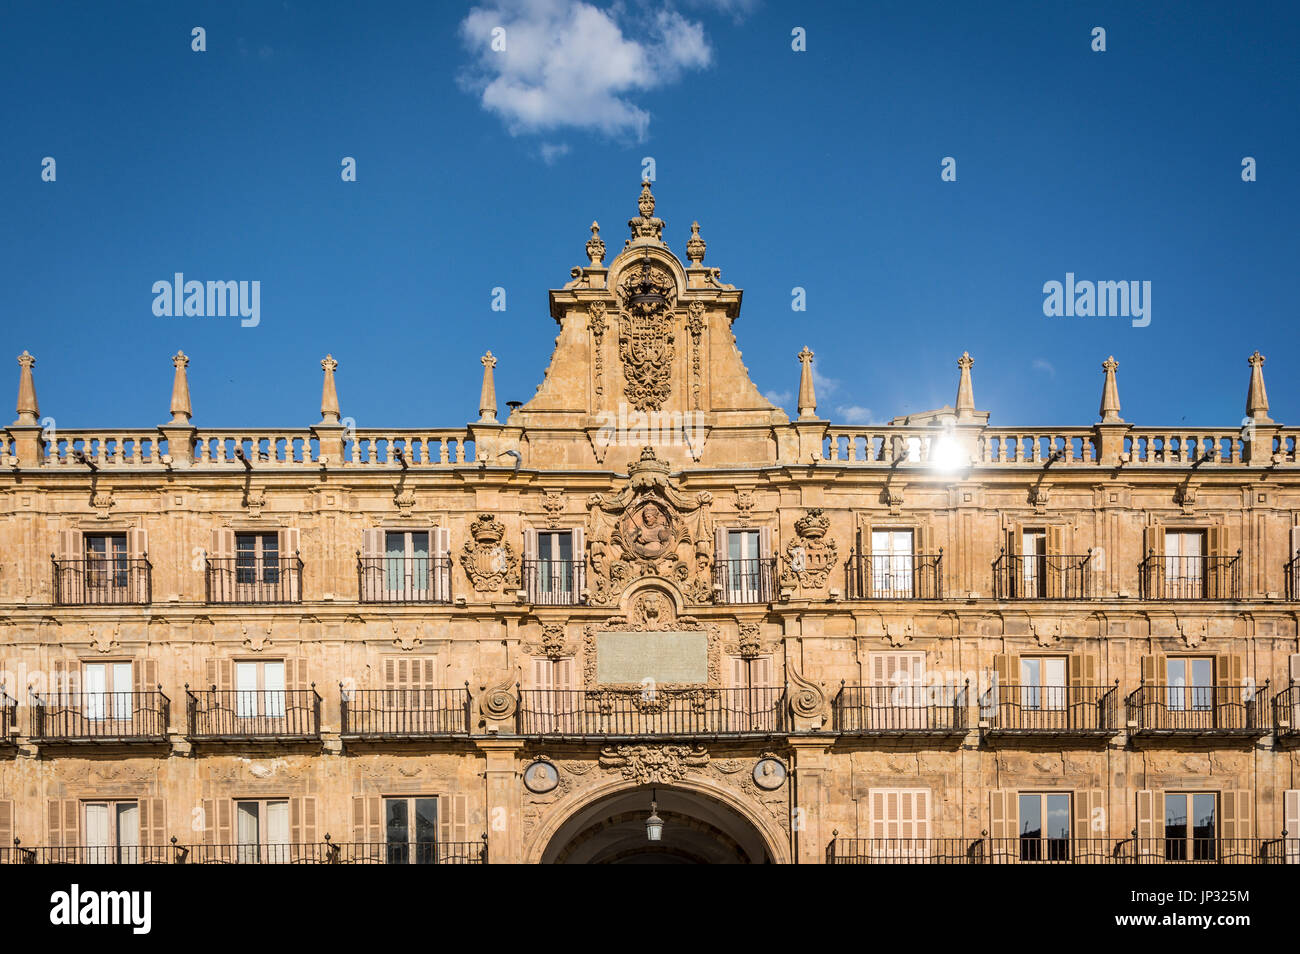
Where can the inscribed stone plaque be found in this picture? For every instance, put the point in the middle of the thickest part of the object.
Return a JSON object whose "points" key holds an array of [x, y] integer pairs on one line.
{"points": [[663, 657]]}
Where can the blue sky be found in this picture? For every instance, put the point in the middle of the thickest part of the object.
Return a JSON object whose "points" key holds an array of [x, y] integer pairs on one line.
{"points": [[818, 169]]}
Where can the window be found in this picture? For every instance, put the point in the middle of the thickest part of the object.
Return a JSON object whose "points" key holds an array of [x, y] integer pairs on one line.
{"points": [[1190, 684], [753, 707], [558, 705], [1044, 827], [898, 693], [411, 830], [262, 830], [259, 689], [1043, 682], [257, 558], [106, 690], [106, 561], [1191, 826], [744, 567], [892, 563], [553, 577], [1184, 564], [900, 822], [407, 567], [111, 832], [1033, 550]]}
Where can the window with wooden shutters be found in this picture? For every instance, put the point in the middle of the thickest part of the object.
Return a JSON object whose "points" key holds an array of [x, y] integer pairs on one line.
{"points": [[1184, 563], [1189, 683], [106, 695], [1043, 826], [411, 700], [1004, 824], [453, 824], [111, 832], [744, 564], [557, 704], [368, 829], [6, 822], [107, 567], [1149, 821], [70, 568], [752, 703], [1043, 683], [63, 827], [411, 830], [264, 832], [1291, 823], [897, 695], [554, 573], [900, 822], [1032, 548], [1191, 826], [893, 564]]}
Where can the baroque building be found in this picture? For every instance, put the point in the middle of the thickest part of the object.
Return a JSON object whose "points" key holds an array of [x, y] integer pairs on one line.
{"points": [[647, 617]]}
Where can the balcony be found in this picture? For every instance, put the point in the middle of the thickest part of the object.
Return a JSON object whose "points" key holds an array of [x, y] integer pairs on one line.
{"points": [[1062, 851], [309, 853], [1286, 714], [8, 718], [1042, 577], [900, 711], [1221, 710], [554, 582], [283, 715], [1050, 712], [102, 581], [641, 713], [100, 717], [404, 713], [1190, 577], [894, 576], [744, 581], [241, 580], [1292, 572], [403, 579]]}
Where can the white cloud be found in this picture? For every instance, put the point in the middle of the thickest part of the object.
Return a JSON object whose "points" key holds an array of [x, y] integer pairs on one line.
{"points": [[825, 386], [568, 64], [550, 151], [779, 398], [854, 414], [1042, 364]]}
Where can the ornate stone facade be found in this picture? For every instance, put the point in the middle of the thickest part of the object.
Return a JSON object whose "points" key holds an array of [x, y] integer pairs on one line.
{"points": [[794, 636]]}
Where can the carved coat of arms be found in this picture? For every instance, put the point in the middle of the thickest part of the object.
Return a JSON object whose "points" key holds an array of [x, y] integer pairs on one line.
{"points": [[488, 560], [810, 556]]}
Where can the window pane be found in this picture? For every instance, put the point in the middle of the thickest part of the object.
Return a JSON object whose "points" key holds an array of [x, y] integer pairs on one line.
{"points": [[1058, 816], [396, 830], [1031, 816], [426, 830], [1176, 816], [128, 828], [247, 830], [277, 823], [1204, 815]]}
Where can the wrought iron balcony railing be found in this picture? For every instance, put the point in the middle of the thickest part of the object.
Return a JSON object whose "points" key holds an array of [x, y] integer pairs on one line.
{"points": [[100, 716], [1206, 710], [744, 581], [109, 580], [1292, 572], [237, 714], [894, 576], [554, 582], [1062, 851], [403, 579], [8, 717], [1190, 577], [1050, 710], [1286, 713], [635, 713], [299, 853], [242, 580], [404, 713], [1042, 577], [900, 710]]}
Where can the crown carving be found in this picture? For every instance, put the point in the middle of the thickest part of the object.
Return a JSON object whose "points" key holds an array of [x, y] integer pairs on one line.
{"points": [[813, 525], [487, 529]]}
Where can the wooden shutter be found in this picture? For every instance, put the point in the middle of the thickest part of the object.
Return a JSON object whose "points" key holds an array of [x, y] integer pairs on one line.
{"points": [[531, 575], [900, 813], [373, 580], [1083, 670], [295, 674], [223, 547], [1051, 567], [1230, 675], [367, 819], [1155, 671], [153, 822], [564, 673], [144, 675], [1153, 541], [739, 672], [1291, 818], [1004, 815], [290, 543], [720, 555], [218, 673], [453, 818], [302, 819], [1006, 667], [440, 543], [1150, 816], [1216, 541], [543, 673], [1238, 808], [70, 545], [6, 822], [579, 564], [69, 550], [137, 552], [64, 821], [764, 543], [1086, 803]]}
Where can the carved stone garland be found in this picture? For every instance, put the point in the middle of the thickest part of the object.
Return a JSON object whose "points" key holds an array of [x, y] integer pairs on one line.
{"points": [[596, 325], [645, 338], [695, 325]]}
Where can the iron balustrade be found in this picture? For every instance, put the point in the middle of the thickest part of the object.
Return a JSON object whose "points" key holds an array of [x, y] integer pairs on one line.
{"points": [[404, 579], [554, 582], [1240, 709], [894, 576], [102, 855], [100, 716], [233, 714], [1190, 577], [309, 853], [8, 717], [1042, 576], [417, 853], [678, 712], [900, 710], [404, 713], [287, 853], [1292, 572], [1286, 713], [745, 581], [254, 580], [107, 580], [1061, 851], [1051, 709]]}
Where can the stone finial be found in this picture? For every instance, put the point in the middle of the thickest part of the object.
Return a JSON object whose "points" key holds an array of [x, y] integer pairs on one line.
{"points": [[180, 407], [646, 225], [1110, 393], [329, 399], [807, 395], [695, 245], [965, 391], [596, 245], [29, 412], [487, 401], [1257, 397]]}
